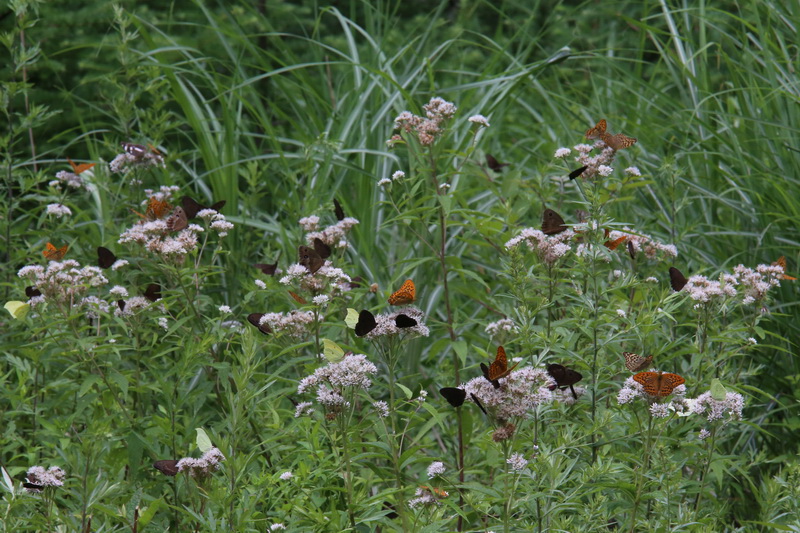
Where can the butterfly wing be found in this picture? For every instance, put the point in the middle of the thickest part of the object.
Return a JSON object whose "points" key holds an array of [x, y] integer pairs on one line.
{"points": [[494, 164], [598, 130], [405, 295], [136, 150], [635, 362], [404, 321], [631, 250], [781, 262], [552, 223], [310, 259], [577, 172], [32, 292], [191, 207], [668, 383], [618, 141], [454, 396], [105, 257], [677, 279], [337, 210], [267, 269], [52, 253], [78, 169], [153, 292], [613, 245], [366, 323], [297, 298], [321, 248], [178, 220], [255, 319], [168, 467], [563, 376], [650, 381]]}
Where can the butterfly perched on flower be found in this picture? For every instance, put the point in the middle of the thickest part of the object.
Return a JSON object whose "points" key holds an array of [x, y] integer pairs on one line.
{"points": [[255, 320], [168, 467], [156, 209], [552, 223], [79, 169], [635, 362], [598, 130], [677, 279], [435, 492], [404, 321], [32, 292], [613, 245], [366, 323], [498, 368], [337, 210], [577, 172], [178, 220], [781, 262], [564, 377], [136, 150], [105, 257], [191, 207], [616, 141], [454, 395], [313, 258], [51, 253], [659, 384], [153, 292], [494, 164], [297, 298], [406, 294]]}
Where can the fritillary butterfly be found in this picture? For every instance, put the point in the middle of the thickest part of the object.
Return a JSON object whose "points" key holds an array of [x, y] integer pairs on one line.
{"points": [[498, 368], [659, 384], [598, 130], [781, 262], [552, 223], [612, 245], [52, 253], [78, 169], [618, 141], [297, 298], [155, 209], [405, 295], [635, 362]]}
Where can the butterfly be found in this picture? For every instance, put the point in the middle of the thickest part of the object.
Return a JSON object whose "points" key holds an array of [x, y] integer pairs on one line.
{"points": [[552, 223], [153, 292], [435, 492], [78, 169], [310, 259], [631, 250], [366, 323], [105, 257], [136, 150], [613, 245], [255, 319], [192, 207], [168, 467], [494, 164], [404, 321], [618, 141], [32, 487], [55, 254], [577, 172], [405, 295], [454, 395], [636, 363], [659, 384], [266, 268], [598, 130], [565, 377], [498, 368], [337, 210], [781, 262], [677, 279], [155, 209], [178, 220], [32, 292], [297, 298]]}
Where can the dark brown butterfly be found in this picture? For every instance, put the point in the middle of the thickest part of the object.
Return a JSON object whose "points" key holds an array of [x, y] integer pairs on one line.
{"points": [[32, 487], [32, 292], [494, 164], [321, 248], [631, 250], [178, 220], [478, 403], [266, 268], [255, 319], [121, 305], [136, 150], [577, 172], [635, 362], [153, 292], [498, 368], [105, 257], [564, 377], [168, 467], [552, 223], [309, 258], [337, 210], [454, 396], [404, 321], [366, 323], [192, 207], [677, 279]]}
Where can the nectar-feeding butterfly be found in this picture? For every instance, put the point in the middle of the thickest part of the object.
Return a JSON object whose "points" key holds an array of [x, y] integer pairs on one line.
{"points": [[613, 245], [619, 141], [677, 279], [337, 210], [405, 295], [498, 368], [310, 258], [781, 262], [136, 150], [52, 253], [153, 292], [297, 298], [366, 323], [105, 257], [191, 207], [156, 209], [79, 169], [577, 172], [659, 384], [552, 223], [598, 130], [266, 268], [255, 320], [635, 362], [404, 321], [494, 164], [178, 220], [32, 292], [564, 377], [454, 395], [168, 467]]}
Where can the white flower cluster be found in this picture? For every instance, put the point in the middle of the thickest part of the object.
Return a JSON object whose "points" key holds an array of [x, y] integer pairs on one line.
{"points": [[52, 477], [427, 128], [732, 405], [62, 281], [549, 248], [70, 179], [58, 210], [331, 380], [598, 164], [503, 325], [294, 323], [126, 162], [519, 392], [517, 462], [387, 326], [202, 467], [436, 468]]}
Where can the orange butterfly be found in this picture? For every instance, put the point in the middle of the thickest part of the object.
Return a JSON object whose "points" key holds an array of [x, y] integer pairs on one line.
{"points": [[405, 295], [598, 130], [435, 492], [618, 141], [612, 245], [297, 298], [78, 169], [155, 209], [498, 369], [781, 262], [635, 362], [55, 254], [660, 384]]}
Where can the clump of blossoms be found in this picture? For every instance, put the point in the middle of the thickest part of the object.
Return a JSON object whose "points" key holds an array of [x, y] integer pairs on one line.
{"points": [[599, 164], [335, 235], [154, 236], [40, 479], [326, 277], [58, 210], [755, 283], [436, 468], [426, 496], [641, 242], [631, 390], [335, 383], [70, 179], [130, 306], [549, 248], [504, 325], [294, 323], [517, 462], [519, 394], [731, 406], [126, 161], [204, 466], [704, 291], [428, 128], [387, 324], [565, 395], [62, 282]]}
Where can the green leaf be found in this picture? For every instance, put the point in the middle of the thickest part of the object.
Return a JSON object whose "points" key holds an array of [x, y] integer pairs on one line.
{"points": [[203, 442], [405, 390]]}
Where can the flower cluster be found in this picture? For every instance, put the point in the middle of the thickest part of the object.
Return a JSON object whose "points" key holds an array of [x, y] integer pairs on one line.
{"points": [[436, 468], [58, 210], [480, 120], [549, 248], [755, 283], [517, 462], [154, 236], [38, 478], [62, 281], [503, 325], [331, 380], [704, 290], [397, 176], [732, 405], [203, 467], [387, 324], [429, 127], [519, 392], [334, 235], [641, 242], [294, 323], [426, 496], [125, 162], [70, 179], [599, 164]]}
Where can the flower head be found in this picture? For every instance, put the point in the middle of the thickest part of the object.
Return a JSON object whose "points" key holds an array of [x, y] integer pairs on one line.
{"points": [[436, 468]]}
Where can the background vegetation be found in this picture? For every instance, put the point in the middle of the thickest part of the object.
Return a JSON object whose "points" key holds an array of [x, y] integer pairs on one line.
{"points": [[280, 107]]}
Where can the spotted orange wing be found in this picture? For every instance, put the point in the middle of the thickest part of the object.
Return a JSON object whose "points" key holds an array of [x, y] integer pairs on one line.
{"points": [[52, 253], [78, 169], [658, 384], [612, 245], [498, 368], [781, 262], [618, 141], [405, 295], [156, 209], [598, 130], [635, 362]]}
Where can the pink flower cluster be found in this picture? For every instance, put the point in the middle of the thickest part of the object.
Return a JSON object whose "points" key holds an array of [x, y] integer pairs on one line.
{"points": [[331, 380], [63, 282], [756, 283], [52, 477], [335, 235], [126, 162], [732, 405], [644, 243], [504, 325], [202, 467], [427, 128], [599, 164], [70, 179], [549, 248], [155, 237], [294, 323], [387, 327], [519, 392]]}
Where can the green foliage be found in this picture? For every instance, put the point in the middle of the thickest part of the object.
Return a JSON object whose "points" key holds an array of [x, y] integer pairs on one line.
{"points": [[279, 108]]}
